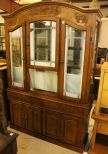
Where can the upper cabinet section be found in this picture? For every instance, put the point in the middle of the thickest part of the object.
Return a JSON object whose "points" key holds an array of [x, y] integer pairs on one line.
{"points": [[50, 48], [48, 10]]}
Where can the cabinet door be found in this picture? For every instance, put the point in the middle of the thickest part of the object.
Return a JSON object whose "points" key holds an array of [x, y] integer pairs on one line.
{"points": [[73, 64], [34, 119], [51, 124], [17, 114], [43, 40], [69, 129], [16, 56]]}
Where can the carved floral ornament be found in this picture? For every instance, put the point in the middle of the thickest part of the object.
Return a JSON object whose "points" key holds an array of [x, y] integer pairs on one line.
{"points": [[81, 19]]}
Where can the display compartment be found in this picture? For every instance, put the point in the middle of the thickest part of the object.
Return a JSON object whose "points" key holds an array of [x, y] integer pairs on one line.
{"points": [[17, 72], [43, 43], [74, 61], [43, 48]]}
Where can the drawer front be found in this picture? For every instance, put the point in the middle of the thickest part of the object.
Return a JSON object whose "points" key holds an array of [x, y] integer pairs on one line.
{"points": [[102, 128], [104, 99], [105, 82]]}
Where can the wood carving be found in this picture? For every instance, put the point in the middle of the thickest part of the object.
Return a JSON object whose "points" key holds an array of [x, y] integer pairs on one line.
{"points": [[81, 19]]}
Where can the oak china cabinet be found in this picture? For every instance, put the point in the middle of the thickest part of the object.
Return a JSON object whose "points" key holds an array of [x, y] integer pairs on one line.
{"points": [[50, 54]]}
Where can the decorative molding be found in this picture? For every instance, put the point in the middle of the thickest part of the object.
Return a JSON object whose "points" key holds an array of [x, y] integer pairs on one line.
{"points": [[81, 19], [38, 10]]}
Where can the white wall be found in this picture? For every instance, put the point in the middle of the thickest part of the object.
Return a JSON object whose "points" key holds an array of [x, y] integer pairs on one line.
{"points": [[103, 40], [104, 10]]}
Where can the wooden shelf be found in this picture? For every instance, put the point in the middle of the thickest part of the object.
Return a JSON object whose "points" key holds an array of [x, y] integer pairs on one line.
{"points": [[100, 117]]}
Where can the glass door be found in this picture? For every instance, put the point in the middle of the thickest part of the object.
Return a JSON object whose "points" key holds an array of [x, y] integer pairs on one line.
{"points": [[16, 57], [74, 60], [43, 54], [43, 43]]}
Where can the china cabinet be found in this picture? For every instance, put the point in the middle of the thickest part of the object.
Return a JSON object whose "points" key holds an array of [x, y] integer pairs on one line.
{"points": [[2, 42], [50, 53]]}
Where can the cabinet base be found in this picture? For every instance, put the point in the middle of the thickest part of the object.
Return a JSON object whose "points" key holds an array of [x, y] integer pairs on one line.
{"points": [[43, 137]]}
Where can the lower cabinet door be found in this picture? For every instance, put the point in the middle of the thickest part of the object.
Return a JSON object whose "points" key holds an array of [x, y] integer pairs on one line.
{"points": [[69, 129], [16, 114], [34, 119], [26, 116], [51, 124]]}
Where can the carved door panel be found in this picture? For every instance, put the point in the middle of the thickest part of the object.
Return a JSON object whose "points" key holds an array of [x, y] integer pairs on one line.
{"points": [[51, 124], [34, 119], [17, 114], [69, 129]]}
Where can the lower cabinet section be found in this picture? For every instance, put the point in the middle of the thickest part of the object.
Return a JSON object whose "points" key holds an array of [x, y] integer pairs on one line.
{"points": [[26, 116], [66, 129]]}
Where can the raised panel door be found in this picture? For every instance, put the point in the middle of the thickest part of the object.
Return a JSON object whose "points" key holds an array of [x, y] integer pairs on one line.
{"points": [[69, 129], [16, 114], [34, 119], [51, 124]]}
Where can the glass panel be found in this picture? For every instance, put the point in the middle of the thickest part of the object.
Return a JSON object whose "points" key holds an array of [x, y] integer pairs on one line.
{"points": [[74, 59], [43, 43], [16, 53], [43, 80]]}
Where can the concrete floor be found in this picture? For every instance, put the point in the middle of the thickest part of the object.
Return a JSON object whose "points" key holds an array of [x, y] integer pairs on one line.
{"points": [[31, 145]]}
